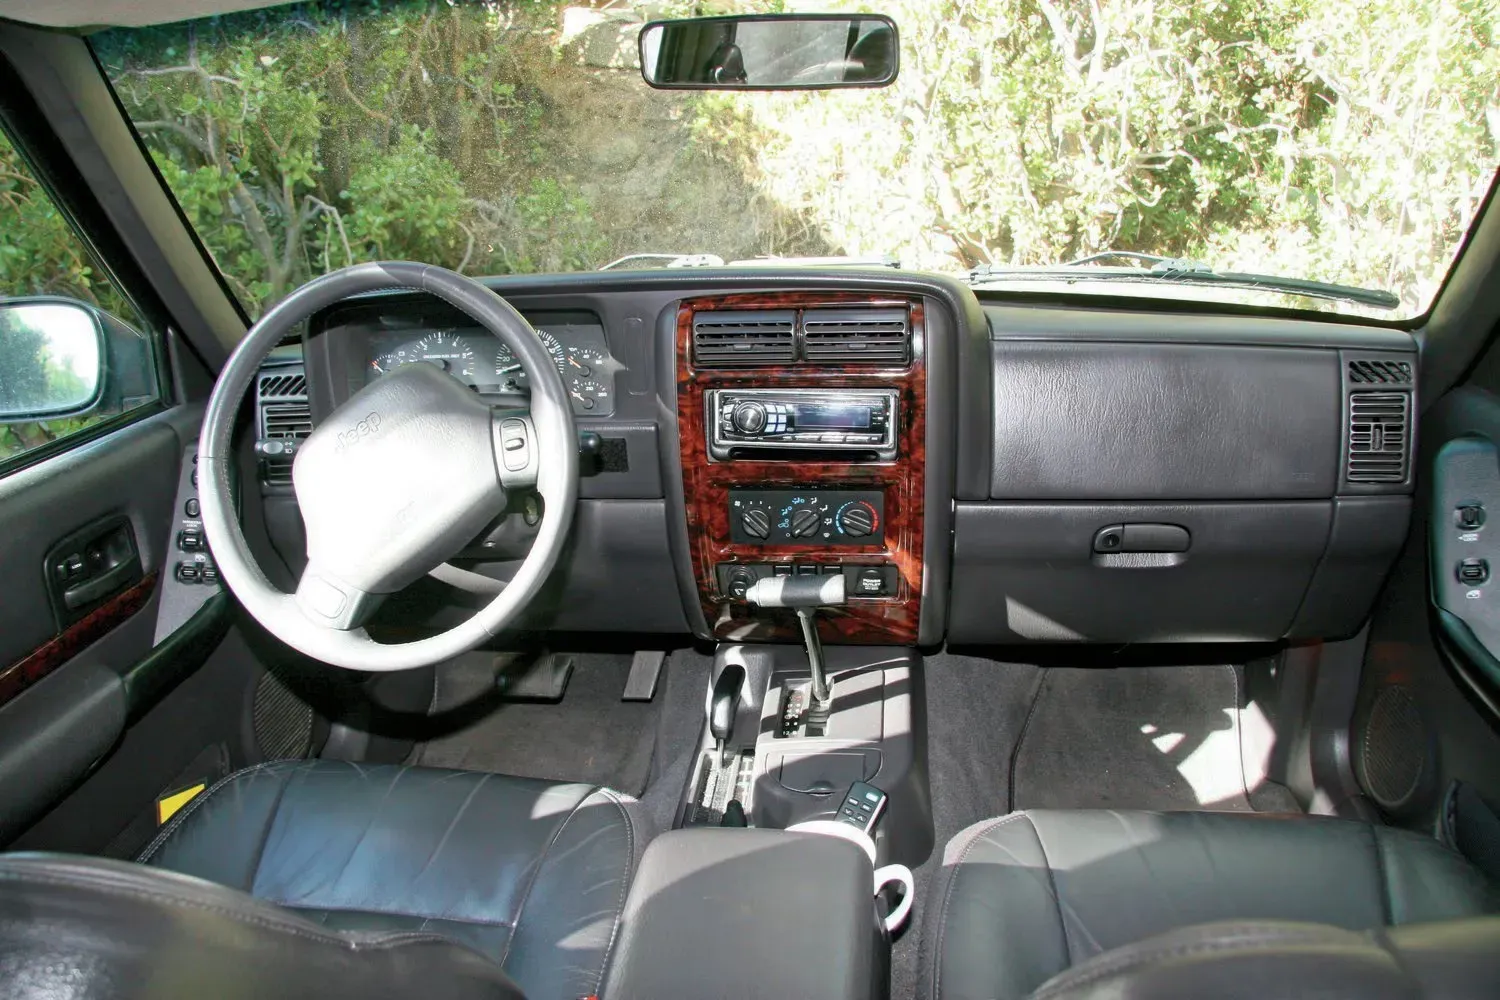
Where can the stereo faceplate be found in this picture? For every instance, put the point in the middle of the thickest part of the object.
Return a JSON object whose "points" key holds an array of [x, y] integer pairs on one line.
{"points": [[853, 420]]}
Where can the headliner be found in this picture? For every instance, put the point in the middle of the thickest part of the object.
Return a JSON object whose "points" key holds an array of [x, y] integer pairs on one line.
{"points": [[78, 14]]}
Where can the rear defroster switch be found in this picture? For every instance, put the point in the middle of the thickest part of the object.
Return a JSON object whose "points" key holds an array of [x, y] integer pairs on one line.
{"points": [[1473, 571]]}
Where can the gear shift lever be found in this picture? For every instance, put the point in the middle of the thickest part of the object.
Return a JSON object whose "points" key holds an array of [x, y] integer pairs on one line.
{"points": [[804, 594]]}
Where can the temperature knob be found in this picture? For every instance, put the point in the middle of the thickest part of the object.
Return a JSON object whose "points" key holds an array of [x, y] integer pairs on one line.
{"points": [[857, 520], [804, 522], [757, 523], [749, 418]]}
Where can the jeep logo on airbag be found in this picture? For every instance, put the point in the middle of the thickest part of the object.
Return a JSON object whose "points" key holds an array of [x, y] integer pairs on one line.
{"points": [[369, 425]]}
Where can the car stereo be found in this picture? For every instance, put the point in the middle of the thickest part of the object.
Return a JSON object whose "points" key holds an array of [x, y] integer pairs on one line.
{"points": [[858, 420]]}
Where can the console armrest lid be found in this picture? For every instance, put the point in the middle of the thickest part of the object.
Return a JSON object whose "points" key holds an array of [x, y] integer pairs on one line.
{"points": [[749, 913]]}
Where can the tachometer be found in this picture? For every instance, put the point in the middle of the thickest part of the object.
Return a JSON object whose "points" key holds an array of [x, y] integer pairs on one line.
{"points": [[448, 351]]}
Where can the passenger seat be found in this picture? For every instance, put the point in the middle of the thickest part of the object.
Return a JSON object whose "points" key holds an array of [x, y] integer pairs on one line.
{"points": [[1031, 895]]}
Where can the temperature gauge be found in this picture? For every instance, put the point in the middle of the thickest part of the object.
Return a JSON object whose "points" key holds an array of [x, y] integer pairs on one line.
{"points": [[588, 393]]}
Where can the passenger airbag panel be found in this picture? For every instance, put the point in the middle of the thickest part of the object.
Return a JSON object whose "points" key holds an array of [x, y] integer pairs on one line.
{"points": [[1122, 421]]}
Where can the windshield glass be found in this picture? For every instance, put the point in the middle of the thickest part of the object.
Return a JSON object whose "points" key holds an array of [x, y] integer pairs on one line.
{"points": [[1347, 141]]}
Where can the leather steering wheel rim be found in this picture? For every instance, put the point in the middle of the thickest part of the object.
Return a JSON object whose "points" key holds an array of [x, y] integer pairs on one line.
{"points": [[337, 640]]}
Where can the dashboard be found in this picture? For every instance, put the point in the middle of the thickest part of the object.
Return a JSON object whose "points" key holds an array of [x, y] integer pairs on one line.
{"points": [[980, 471], [479, 359]]}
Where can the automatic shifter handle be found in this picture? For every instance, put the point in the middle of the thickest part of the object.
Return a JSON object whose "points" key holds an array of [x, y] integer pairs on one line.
{"points": [[806, 594], [797, 591]]}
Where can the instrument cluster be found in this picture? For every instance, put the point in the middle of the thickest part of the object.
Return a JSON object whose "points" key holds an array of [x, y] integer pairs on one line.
{"points": [[479, 359]]}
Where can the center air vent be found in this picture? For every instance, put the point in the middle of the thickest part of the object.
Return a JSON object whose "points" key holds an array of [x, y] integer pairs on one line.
{"points": [[1372, 372], [741, 338], [869, 336], [282, 415], [1379, 436]]}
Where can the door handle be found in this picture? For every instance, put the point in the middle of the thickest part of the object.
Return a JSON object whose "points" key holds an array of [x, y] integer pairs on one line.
{"points": [[90, 565]]}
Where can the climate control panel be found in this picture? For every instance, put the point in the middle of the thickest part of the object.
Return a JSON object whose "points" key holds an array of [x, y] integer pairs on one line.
{"points": [[812, 517]]}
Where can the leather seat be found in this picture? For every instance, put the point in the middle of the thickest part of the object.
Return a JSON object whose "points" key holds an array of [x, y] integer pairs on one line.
{"points": [[1027, 896], [532, 874]]}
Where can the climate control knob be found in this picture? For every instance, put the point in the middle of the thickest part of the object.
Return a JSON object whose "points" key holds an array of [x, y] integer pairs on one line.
{"points": [[749, 418], [805, 522], [857, 521], [756, 522]]}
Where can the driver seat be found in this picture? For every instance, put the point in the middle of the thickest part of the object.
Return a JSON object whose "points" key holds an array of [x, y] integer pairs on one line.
{"points": [[531, 874]]}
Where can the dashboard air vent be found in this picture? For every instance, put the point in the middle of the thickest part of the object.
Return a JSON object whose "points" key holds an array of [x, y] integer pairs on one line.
{"points": [[282, 414], [870, 336], [1379, 436], [289, 384], [742, 338], [1380, 372]]}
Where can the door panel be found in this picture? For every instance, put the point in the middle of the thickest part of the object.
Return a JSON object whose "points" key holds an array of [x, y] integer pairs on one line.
{"points": [[63, 698], [1423, 717]]}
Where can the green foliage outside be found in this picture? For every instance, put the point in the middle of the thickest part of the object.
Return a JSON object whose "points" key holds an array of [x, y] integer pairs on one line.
{"points": [[1349, 140], [39, 255]]}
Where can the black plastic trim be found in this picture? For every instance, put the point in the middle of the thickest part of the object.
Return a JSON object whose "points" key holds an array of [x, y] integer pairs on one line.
{"points": [[175, 658]]}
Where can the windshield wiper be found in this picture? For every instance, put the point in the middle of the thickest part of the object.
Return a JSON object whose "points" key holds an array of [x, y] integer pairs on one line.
{"points": [[1181, 270]]}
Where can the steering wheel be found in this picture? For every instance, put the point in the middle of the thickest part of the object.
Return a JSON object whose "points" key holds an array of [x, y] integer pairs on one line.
{"points": [[395, 480]]}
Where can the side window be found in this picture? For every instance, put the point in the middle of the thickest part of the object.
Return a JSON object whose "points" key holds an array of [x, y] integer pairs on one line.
{"points": [[72, 354]]}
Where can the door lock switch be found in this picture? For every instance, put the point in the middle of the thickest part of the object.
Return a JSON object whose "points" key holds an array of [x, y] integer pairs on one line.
{"points": [[1470, 516], [1474, 572]]}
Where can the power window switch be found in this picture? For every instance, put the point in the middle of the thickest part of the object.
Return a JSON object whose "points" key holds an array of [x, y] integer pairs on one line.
{"points": [[1473, 571], [189, 572], [208, 573]]}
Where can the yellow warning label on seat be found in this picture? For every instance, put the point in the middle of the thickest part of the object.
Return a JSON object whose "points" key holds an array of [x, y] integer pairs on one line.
{"points": [[167, 805]]}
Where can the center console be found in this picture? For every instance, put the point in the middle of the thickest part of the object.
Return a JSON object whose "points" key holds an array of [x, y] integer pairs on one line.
{"points": [[802, 420]]}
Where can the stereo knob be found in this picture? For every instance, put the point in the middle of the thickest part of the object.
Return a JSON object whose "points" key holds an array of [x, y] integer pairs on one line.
{"points": [[805, 522], [749, 418], [757, 523], [857, 521]]}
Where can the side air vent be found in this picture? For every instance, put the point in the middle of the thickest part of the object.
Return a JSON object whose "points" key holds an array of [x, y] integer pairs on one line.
{"points": [[869, 336], [289, 384], [1379, 436], [1380, 372], [741, 338], [282, 415]]}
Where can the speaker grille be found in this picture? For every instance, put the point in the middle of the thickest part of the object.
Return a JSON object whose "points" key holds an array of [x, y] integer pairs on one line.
{"points": [[1395, 747], [283, 722]]}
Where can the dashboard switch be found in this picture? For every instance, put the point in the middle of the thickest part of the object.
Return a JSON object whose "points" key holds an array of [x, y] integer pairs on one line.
{"points": [[805, 522], [192, 508], [190, 540], [1473, 571]]}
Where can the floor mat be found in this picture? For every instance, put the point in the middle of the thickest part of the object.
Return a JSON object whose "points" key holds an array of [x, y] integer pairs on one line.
{"points": [[590, 736], [1133, 738]]}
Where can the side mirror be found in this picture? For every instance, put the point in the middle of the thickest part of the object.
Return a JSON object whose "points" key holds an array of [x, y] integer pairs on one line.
{"points": [[771, 52], [52, 359]]}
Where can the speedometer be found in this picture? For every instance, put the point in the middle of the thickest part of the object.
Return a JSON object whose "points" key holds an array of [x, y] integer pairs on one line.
{"points": [[553, 348], [447, 351]]}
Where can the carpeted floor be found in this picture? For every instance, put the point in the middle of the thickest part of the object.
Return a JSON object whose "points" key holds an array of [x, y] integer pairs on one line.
{"points": [[640, 748], [1133, 738], [590, 736]]}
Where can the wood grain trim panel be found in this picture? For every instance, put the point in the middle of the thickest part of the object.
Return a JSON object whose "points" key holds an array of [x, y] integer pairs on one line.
{"points": [[706, 482], [85, 632]]}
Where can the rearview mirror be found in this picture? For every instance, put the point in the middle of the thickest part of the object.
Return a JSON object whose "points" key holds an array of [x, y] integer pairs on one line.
{"points": [[51, 359], [771, 52]]}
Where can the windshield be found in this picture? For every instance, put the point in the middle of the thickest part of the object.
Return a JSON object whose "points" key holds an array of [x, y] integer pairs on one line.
{"points": [[1349, 141]]}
